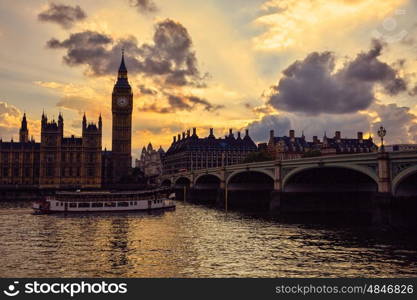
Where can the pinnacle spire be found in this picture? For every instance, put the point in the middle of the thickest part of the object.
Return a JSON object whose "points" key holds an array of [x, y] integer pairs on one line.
{"points": [[122, 80], [24, 122], [122, 68]]}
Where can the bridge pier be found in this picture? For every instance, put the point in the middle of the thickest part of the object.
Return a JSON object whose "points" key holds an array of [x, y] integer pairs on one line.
{"points": [[275, 201], [381, 208], [276, 194], [384, 173], [221, 198]]}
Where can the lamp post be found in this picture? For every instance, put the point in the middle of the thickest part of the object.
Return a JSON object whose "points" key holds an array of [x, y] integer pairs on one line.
{"points": [[381, 133]]}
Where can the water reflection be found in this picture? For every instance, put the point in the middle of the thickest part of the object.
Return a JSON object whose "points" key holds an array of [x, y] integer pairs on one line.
{"points": [[196, 241]]}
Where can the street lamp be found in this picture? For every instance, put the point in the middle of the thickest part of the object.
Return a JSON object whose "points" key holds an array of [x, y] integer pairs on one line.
{"points": [[381, 133]]}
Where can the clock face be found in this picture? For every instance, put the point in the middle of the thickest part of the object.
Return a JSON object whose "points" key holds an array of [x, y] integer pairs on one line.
{"points": [[122, 101]]}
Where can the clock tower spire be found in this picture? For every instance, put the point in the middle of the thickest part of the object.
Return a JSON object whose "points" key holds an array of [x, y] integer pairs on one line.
{"points": [[122, 106]]}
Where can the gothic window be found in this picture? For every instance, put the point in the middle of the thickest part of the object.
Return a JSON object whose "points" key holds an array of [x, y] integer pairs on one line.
{"points": [[49, 171], [27, 156]]}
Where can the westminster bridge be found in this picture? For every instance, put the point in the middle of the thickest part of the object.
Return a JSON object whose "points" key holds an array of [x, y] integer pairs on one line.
{"points": [[331, 183]]}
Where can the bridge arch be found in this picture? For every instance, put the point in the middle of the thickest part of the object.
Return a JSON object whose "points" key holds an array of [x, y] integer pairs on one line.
{"points": [[209, 175], [409, 174], [183, 180], [363, 174], [166, 182], [250, 189], [235, 173]]}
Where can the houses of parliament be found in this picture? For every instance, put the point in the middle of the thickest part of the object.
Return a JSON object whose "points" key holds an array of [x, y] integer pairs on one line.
{"points": [[59, 162]]}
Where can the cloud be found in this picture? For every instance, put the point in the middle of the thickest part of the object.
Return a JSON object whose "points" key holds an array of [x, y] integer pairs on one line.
{"points": [[399, 122], [307, 24], [144, 6], [313, 86], [348, 124], [146, 91], [80, 98], [259, 130], [181, 103], [63, 15], [8, 110], [10, 121], [170, 56]]}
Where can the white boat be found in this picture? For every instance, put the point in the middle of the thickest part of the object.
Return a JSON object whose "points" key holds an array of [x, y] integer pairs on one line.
{"points": [[105, 201]]}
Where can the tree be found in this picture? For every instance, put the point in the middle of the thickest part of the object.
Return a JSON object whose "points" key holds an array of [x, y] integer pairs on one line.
{"points": [[312, 153], [258, 156]]}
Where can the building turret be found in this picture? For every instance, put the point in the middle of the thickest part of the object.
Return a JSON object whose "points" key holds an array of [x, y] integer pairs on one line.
{"points": [[61, 124], [100, 123], [44, 119], [24, 132], [84, 122], [211, 135], [150, 148]]}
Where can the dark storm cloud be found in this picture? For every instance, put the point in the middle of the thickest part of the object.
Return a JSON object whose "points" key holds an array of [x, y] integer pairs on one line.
{"points": [[64, 15], [181, 103], [144, 6], [312, 86], [86, 47], [259, 130], [170, 56], [400, 123]]}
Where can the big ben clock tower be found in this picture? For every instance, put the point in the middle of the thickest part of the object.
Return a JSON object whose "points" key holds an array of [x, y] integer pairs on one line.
{"points": [[122, 105]]}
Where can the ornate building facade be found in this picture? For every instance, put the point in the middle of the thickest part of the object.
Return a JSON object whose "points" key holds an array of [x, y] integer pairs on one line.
{"points": [[59, 162], [190, 152], [150, 163], [292, 147], [55, 162]]}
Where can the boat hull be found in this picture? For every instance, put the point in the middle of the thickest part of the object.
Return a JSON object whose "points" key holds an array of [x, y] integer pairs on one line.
{"points": [[104, 202]]}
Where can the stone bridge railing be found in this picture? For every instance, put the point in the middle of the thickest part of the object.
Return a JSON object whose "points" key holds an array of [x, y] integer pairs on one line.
{"points": [[388, 170]]}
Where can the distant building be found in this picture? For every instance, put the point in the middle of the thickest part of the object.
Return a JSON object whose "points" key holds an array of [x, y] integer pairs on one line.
{"points": [[292, 147], [55, 162], [150, 163], [20, 161], [190, 152], [401, 147]]}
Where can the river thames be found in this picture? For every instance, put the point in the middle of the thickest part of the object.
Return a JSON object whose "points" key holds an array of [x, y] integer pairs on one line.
{"points": [[196, 241]]}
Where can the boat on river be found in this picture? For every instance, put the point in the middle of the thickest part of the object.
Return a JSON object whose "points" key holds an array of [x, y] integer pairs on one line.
{"points": [[105, 201]]}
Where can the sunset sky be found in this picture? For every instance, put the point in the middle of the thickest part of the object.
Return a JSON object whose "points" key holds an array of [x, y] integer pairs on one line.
{"points": [[308, 65]]}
